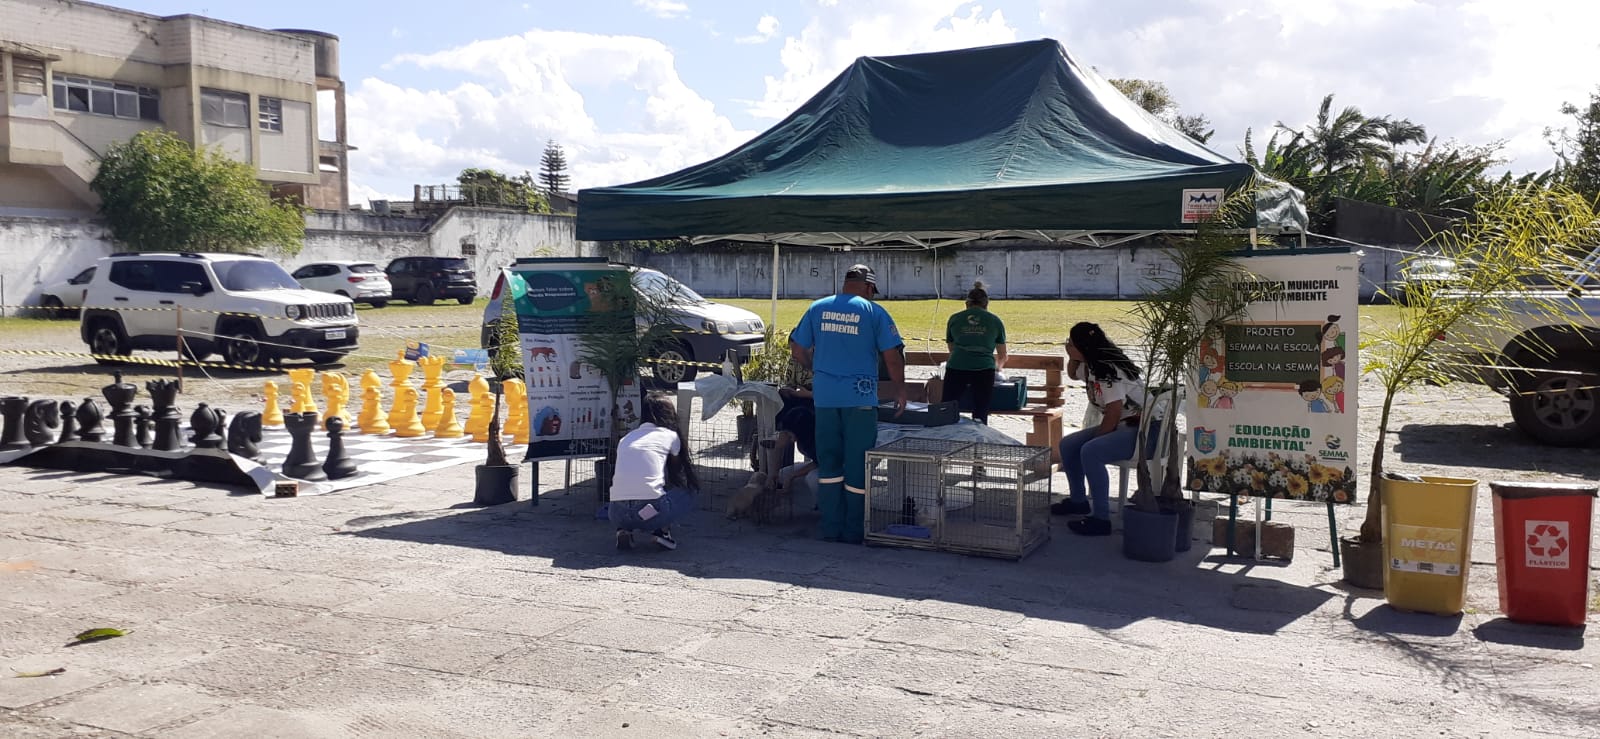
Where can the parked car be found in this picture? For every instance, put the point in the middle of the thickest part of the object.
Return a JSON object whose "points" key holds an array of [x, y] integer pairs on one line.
{"points": [[244, 307], [1423, 274], [361, 282], [422, 280], [705, 330], [63, 299]]}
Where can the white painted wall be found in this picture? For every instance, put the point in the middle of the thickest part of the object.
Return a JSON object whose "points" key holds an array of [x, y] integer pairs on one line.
{"points": [[288, 150], [36, 251], [235, 142]]}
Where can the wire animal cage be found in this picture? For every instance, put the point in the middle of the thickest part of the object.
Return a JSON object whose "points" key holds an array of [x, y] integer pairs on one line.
{"points": [[970, 498]]}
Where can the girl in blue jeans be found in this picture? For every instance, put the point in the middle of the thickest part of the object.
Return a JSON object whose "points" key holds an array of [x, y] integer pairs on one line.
{"points": [[1114, 388], [654, 482]]}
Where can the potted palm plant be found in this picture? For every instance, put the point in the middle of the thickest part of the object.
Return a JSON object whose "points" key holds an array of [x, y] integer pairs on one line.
{"points": [[1516, 236]]}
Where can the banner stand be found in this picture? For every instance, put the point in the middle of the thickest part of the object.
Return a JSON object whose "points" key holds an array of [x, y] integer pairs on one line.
{"points": [[1233, 518]]}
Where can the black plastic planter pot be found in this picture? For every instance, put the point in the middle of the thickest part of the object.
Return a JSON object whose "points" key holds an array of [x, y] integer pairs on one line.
{"points": [[497, 484], [1149, 537], [1363, 563], [1185, 532]]}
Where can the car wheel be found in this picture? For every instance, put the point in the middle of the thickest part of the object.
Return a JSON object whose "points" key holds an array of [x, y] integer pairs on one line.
{"points": [[1560, 407], [378, 303], [53, 307], [424, 295], [241, 345], [106, 341], [669, 368], [198, 350], [465, 300]]}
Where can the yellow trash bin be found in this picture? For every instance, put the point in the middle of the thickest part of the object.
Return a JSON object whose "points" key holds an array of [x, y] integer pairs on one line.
{"points": [[1427, 541]]}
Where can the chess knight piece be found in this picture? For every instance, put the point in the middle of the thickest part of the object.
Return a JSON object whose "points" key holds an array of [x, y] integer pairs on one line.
{"points": [[336, 391], [120, 395], [273, 415], [89, 418], [449, 427], [164, 396], [432, 408], [69, 421], [40, 422], [339, 464], [142, 421], [410, 425], [207, 424], [301, 463], [244, 433], [13, 438]]}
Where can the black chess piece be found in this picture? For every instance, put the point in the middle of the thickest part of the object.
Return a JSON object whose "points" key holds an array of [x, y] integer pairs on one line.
{"points": [[89, 418], [206, 423], [244, 433], [169, 432], [120, 395], [302, 463], [41, 422], [143, 421], [69, 421], [339, 464], [13, 438]]}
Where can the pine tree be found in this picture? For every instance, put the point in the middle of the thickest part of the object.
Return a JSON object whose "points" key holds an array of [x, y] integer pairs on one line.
{"points": [[553, 169]]}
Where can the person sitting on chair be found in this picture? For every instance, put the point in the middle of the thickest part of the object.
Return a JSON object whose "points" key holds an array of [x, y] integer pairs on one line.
{"points": [[1114, 389], [654, 482], [976, 340]]}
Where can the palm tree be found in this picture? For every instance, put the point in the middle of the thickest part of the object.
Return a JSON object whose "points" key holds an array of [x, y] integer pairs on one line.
{"points": [[1398, 132], [1343, 139]]}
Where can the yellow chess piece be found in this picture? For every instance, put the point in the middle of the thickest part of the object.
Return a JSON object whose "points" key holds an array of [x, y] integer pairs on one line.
{"points": [[401, 369], [410, 425], [336, 390], [273, 415], [432, 368], [300, 399], [371, 420], [485, 412], [478, 417], [306, 377], [449, 427], [516, 410]]}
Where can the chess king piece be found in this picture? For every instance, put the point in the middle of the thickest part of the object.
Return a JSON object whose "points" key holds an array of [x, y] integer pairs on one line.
{"points": [[244, 433], [207, 424], [273, 415], [372, 420], [339, 464], [478, 415], [490, 425], [401, 369], [448, 427], [164, 398], [142, 421], [517, 410], [410, 425], [120, 395], [432, 368], [69, 421], [301, 403], [89, 418], [13, 438], [41, 422], [301, 463], [336, 391]]}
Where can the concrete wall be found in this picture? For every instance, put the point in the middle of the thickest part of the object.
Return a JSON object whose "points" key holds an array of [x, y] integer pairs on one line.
{"points": [[35, 251], [292, 149]]}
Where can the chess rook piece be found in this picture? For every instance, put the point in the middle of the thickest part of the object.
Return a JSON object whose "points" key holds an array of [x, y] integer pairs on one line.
{"points": [[207, 424], [244, 433], [336, 392], [142, 421], [339, 464], [449, 427], [13, 438], [401, 369], [517, 410], [164, 398], [273, 415], [89, 418], [478, 412], [432, 408], [41, 422], [371, 419], [69, 421], [301, 463], [120, 395], [302, 403], [488, 425], [410, 425]]}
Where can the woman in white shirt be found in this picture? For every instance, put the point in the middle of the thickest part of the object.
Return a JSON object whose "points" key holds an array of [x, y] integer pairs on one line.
{"points": [[1114, 388], [654, 483]]}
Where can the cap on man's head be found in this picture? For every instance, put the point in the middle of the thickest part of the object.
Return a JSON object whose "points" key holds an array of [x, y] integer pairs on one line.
{"points": [[861, 273]]}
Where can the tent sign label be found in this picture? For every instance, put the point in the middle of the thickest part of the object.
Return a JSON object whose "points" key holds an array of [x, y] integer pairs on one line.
{"points": [[1199, 205]]}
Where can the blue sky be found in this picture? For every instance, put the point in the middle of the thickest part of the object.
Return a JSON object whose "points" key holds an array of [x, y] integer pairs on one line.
{"points": [[637, 88]]}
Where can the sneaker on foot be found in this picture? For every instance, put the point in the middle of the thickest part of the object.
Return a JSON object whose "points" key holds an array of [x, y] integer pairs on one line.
{"points": [[664, 539], [624, 539], [1090, 527], [1070, 507]]}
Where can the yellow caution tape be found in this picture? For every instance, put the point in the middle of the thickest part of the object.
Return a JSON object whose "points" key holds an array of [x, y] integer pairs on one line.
{"points": [[131, 359]]}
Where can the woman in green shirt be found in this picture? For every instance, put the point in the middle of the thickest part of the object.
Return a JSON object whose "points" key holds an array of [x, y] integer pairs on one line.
{"points": [[977, 342]]}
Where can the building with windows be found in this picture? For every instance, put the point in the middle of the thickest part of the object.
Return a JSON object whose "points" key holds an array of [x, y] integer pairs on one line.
{"points": [[77, 78]]}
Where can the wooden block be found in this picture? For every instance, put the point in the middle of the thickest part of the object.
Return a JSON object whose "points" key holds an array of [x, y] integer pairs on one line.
{"points": [[1277, 538]]}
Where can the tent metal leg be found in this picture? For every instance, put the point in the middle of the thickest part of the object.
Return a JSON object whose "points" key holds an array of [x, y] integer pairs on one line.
{"points": [[774, 324]]}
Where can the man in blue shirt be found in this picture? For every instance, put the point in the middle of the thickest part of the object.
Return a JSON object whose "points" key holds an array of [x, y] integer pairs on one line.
{"points": [[840, 339]]}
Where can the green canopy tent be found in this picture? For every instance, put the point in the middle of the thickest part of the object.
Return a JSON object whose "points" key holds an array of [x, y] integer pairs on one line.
{"points": [[925, 150]]}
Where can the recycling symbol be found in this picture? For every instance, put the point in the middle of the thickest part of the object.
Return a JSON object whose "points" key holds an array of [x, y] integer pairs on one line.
{"points": [[1547, 543]]}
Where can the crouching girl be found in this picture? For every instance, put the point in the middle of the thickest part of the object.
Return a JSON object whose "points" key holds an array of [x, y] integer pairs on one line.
{"points": [[654, 483]]}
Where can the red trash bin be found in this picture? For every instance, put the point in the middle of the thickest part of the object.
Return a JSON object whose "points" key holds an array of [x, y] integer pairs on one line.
{"points": [[1541, 534]]}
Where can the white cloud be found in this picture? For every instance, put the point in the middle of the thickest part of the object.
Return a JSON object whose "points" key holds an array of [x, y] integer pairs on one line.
{"points": [[663, 8], [766, 28], [840, 33], [519, 92]]}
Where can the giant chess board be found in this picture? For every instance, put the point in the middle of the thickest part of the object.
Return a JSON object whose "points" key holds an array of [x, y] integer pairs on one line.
{"points": [[379, 458]]}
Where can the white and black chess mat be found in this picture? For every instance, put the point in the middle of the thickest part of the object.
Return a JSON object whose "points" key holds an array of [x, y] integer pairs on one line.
{"points": [[378, 458]]}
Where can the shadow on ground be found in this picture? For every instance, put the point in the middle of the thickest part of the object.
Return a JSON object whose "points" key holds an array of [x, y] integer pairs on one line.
{"points": [[1496, 447]]}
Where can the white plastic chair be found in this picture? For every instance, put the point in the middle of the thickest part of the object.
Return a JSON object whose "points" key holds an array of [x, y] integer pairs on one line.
{"points": [[1158, 455]]}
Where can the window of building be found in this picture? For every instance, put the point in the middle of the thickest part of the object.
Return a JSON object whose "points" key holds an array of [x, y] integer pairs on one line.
{"points": [[270, 117], [100, 97], [29, 75], [231, 109]]}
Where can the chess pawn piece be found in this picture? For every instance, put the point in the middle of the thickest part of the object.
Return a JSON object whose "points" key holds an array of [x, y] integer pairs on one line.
{"points": [[401, 369], [410, 425], [432, 408], [371, 419], [89, 418], [449, 427], [302, 462], [516, 409], [40, 422], [69, 421], [207, 424], [13, 438], [273, 415], [485, 412], [336, 390], [142, 420], [339, 464], [244, 433], [478, 415]]}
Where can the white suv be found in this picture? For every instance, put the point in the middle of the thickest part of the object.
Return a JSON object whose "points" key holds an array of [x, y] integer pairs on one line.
{"points": [[244, 307]]}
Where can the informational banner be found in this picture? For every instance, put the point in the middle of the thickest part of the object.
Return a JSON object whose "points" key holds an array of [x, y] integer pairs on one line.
{"points": [[1272, 409], [561, 304]]}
